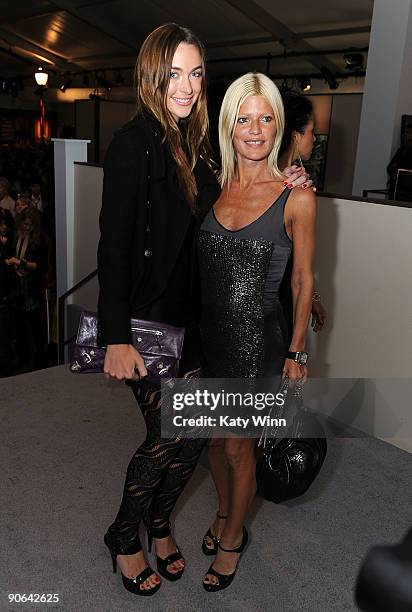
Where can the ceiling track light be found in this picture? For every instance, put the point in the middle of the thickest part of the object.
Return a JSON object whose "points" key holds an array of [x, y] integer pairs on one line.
{"points": [[305, 84], [66, 84], [353, 61]]}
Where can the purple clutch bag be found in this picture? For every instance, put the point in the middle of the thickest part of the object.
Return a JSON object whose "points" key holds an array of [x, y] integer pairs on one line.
{"points": [[159, 344]]}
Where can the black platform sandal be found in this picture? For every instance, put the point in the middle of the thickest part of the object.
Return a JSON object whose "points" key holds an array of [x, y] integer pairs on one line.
{"points": [[209, 550], [130, 584], [163, 563], [225, 579]]}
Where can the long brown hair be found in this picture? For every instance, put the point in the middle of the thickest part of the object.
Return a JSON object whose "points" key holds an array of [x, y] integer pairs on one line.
{"points": [[189, 139]]}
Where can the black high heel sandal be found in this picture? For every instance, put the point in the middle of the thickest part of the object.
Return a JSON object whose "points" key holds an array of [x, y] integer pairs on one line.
{"points": [[131, 584], [163, 563], [225, 579], [208, 550]]}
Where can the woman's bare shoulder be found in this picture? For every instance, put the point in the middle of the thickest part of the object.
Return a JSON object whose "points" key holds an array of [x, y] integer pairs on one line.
{"points": [[303, 200]]}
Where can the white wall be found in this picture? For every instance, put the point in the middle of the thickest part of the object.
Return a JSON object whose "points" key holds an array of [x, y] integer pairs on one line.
{"points": [[362, 262], [342, 143], [88, 190], [363, 266]]}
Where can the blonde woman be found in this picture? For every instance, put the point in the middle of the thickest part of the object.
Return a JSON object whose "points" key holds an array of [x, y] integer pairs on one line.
{"points": [[244, 244]]}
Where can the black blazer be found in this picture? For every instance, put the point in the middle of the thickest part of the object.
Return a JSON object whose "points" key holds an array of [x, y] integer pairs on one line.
{"points": [[135, 265]]}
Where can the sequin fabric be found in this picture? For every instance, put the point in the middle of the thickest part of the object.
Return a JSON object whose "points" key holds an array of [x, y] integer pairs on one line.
{"points": [[233, 274], [243, 328]]}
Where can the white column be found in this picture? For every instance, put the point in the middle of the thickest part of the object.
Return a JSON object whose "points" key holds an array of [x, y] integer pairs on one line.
{"points": [[387, 94], [66, 152]]}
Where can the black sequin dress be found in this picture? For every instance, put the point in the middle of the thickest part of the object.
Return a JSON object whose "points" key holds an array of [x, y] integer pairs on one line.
{"points": [[243, 327]]}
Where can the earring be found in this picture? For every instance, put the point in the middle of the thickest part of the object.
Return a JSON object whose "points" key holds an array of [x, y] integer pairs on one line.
{"points": [[297, 148]]}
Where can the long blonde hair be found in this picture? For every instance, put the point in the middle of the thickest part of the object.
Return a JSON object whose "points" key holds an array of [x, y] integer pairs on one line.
{"points": [[190, 139], [250, 84]]}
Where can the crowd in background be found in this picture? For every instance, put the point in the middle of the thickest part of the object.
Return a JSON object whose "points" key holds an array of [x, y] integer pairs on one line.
{"points": [[27, 262]]}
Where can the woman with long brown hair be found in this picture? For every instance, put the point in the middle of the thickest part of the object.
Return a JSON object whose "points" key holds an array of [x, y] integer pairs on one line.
{"points": [[157, 180]]}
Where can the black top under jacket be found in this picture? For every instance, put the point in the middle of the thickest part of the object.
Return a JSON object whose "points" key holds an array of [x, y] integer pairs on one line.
{"points": [[135, 265]]}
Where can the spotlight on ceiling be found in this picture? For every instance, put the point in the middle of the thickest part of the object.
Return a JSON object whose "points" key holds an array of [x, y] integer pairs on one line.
{"points": [[305, 84], [65, 85], [120, 78], [353, 60], [329, 78], [41, 77]]}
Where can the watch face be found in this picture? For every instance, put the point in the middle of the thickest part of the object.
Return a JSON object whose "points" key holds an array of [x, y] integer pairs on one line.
{"points": [[303, 358]]}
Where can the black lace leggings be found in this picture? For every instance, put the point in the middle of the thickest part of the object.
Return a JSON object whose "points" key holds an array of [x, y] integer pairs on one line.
{"points": [[156, 476]]}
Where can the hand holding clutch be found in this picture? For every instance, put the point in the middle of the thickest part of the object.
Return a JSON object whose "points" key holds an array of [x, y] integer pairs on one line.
{"points": [[123, 361]]}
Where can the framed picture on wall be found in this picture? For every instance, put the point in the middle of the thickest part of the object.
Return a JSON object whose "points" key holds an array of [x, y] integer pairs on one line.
{"points": [[316, 165]]}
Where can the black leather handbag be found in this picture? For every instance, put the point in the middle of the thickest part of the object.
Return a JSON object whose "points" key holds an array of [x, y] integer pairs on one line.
{"points": [[289, 465]]}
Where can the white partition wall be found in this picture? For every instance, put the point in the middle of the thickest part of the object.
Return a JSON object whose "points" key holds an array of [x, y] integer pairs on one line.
{"points": [[363, 264], [88, 191], [66, 153]]}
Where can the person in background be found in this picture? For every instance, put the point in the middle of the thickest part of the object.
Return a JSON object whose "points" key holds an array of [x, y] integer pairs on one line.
{"points": [[36, 199], [296, 148], [28, 265], [6, 239], [6, 201], [22, 204]]}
